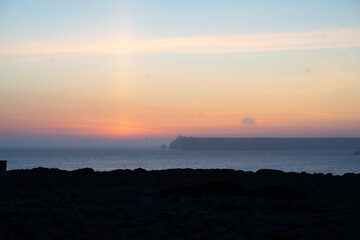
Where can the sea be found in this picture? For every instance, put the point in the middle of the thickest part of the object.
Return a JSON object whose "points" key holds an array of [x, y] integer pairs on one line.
{"points": [[336, 162]]}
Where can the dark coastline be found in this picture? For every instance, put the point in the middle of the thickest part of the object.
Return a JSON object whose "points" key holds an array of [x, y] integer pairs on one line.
{"points": [[178, 204]]}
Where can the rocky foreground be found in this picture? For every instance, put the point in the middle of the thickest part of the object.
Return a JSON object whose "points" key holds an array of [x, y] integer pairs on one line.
{"points": [[178, 204]]}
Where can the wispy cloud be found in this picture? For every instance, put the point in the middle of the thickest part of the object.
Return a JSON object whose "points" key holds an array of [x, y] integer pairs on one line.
{"points": [[194, 45], [323, 114]]}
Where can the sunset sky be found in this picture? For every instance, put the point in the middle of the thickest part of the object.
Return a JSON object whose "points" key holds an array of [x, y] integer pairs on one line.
{"points": [[158, 68]]}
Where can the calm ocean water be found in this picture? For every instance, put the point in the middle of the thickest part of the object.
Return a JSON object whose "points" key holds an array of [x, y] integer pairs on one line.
{"points": [[324, 161]]}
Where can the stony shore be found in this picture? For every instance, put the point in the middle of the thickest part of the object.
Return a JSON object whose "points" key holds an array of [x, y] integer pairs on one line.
{"points": [[178, 204]]}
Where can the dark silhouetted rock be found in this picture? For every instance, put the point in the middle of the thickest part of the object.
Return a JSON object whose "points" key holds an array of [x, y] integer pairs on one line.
{"points": [[279, 193], [232, 189], [3, 166], [83, 171], [196, 204], [212, 188], [269, 172]]}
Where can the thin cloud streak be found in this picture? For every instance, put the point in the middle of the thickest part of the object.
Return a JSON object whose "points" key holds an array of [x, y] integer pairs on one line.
{"points": [[194, 45], [323, 114]]}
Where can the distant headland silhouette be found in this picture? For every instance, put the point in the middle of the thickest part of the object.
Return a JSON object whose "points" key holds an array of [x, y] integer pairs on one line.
{"points": [[233, 144]]}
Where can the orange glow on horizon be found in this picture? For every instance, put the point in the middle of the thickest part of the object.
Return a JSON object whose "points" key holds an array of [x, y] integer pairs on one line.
{"points": [[160, 122]]}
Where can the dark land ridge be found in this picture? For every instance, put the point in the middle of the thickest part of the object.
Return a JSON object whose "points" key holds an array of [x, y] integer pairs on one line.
{"points": [[256, 144], [178, 204]]}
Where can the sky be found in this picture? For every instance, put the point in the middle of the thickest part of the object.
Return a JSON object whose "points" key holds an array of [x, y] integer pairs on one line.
{"points": [[84, 71]]}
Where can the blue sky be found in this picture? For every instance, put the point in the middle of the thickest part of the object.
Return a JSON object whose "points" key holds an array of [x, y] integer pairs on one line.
{"points": [[34, 20]]}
